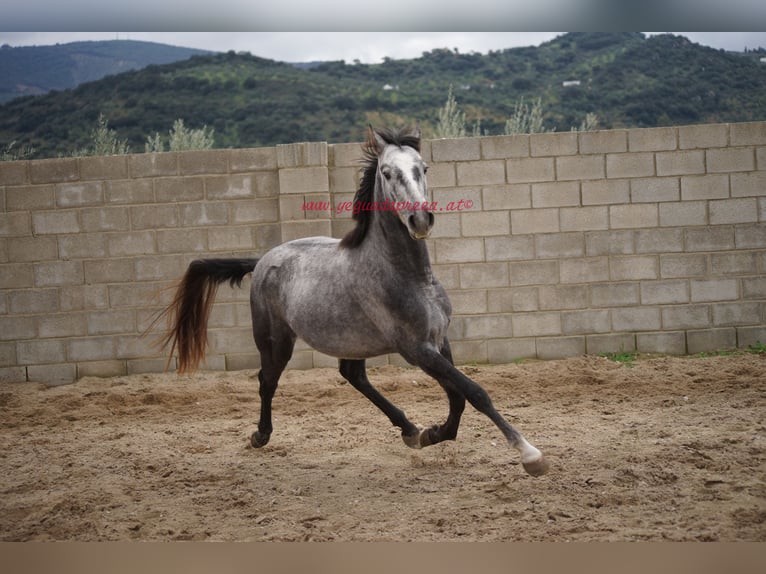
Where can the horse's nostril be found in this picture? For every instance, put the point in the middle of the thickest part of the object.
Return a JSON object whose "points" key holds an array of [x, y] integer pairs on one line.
{"points": [[430, 219]]}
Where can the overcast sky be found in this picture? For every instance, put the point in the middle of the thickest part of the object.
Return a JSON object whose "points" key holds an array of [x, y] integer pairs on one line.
{"points": [[367, 47]]}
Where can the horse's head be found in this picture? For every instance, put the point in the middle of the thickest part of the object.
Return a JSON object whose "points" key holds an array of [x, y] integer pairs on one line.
{"points": [[401, 179]]}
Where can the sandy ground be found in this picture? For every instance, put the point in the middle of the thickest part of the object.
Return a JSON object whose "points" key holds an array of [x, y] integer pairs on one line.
{"points": [[666, 449]]}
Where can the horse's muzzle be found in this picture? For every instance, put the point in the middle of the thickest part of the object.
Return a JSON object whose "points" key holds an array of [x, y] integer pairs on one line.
{"points": [[420, 224]]}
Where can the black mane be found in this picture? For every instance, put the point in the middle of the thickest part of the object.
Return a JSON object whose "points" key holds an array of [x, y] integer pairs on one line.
{"points": [[365, 194]]}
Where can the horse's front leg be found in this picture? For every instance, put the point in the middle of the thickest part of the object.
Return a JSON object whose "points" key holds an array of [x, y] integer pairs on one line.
{"points": [[355, 372], [437, 366], [448, 430]]}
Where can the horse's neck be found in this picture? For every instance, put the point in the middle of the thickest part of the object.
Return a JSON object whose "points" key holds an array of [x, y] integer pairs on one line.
{"points": [[391, 240]]}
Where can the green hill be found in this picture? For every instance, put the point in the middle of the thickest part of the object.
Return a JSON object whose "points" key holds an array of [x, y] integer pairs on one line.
{"points": [[626, 79]]}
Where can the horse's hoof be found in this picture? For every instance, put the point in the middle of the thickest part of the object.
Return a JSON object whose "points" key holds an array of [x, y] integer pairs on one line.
{"points": [[537, 467], [413, 441], [258, 439]]}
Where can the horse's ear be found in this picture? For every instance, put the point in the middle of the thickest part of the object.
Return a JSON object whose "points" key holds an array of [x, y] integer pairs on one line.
{"points": [[377, 141], [416, 131]]}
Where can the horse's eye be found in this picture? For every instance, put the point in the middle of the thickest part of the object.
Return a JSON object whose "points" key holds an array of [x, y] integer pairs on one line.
{"points": [[425, 169], [386, 171]]}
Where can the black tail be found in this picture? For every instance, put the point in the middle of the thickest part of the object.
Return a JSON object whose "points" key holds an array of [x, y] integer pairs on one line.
{"points": [[188, 313]]}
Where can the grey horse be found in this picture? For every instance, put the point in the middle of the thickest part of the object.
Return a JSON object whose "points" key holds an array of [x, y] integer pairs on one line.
{"points": [[371, 293]]}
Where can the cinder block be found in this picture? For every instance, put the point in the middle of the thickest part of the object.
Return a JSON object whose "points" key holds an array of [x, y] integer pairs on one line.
{"points": [[253, 159], [460, 149], [50, 222], [175, 189], [559, 245], [555, 297], [750, 236], [603, 141], [670, 292], [528, 170], [512, 299], [636, 319], [344, 179], [79, 297], [666, 343], [584, 218], [659, 240], [705, 187], [633, 267], [140, 366], [30, 301], [542, 220], [54, 375], [683, 214], [750, 336], [29, 197], [605, 192], [609, 242], [111, 322], [105, 219], [487, 326], [459, 250], [731, 314], [469, 302], [501, 351], [553, 144], [243, 361], [680, 162], [14, 173], [538, 324], [79, 194], [203, 161], [54, 170], [130, 191], [485, 172], [40, 352], [446, 225], [633, 216], [585, 322], [745, 263], [710, 340], [298, 229], [610, 343], [748, 133], [481, 275], [441, 175], [726, 160], [556, 194], [104, 167], [302, 360], [457, 199], [498, 197], [304, 180], [180, 241], [40, 248], [584, 270], [655, 189], [340, 155], [709, 239], [702, 136], [754, 288], [102, 369], [502, 147], [136, 295], [16, 276], [580, 167], [467, 352], [614, 294], [652, 139], [560, 347], [485, 223], [13, 374], [91, 349], [153, 268], [201, 214], [266, 236], [147, 165], [683, 265], [713, 290], [83, 245], [254, 211], [686, 317], [240, 186], [17, 328], [746, 184], [230, 238], [622, 165], [727, 211], [54, 273], [302, 154], [130, 243], [534, 272]]}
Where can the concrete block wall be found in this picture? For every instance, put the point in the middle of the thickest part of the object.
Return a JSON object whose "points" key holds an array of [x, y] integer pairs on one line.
{"points": [[550, 245]]}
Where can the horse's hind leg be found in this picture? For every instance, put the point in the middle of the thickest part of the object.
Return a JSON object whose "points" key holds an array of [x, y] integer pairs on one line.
{"points": [[276, 350], [355, 372]]}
